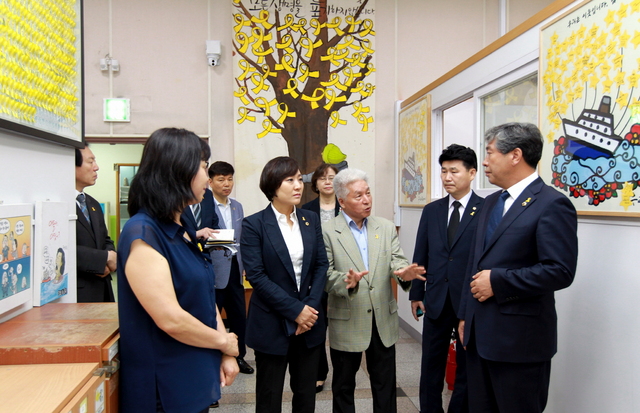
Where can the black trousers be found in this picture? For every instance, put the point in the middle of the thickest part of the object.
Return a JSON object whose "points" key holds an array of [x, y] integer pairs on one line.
{"points": [[270, 375], [502, 387], [436, 336], [381, 363], [231, 298]]}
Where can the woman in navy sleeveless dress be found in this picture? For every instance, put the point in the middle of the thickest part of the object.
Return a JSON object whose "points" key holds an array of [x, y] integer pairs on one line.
{"points": [[174, 349]]}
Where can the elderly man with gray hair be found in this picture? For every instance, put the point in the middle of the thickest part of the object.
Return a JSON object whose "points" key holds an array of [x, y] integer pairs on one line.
{"points": [[364, 254]]}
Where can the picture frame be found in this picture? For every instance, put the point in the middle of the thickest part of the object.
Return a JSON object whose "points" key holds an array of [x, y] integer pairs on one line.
{"points": [[414, 152], [590, 107], [41, 79]]}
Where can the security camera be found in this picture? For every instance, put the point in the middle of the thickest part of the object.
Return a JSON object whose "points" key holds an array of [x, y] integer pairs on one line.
{"points": [[213, 52]]}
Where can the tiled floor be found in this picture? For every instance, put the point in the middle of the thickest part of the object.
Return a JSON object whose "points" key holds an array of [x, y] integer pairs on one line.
{"points": [[240, 397]]}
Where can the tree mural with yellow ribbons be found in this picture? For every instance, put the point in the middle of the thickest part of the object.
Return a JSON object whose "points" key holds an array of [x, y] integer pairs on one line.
{"points": [[301, 77]]}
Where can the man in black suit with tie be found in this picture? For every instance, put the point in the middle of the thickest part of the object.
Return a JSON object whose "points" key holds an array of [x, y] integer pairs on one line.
{"points": [[443, 242], [96, 254], [525, 248]]}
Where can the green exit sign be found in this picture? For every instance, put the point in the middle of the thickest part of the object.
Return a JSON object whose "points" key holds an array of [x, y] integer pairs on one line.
{"points": [[117, 110]]}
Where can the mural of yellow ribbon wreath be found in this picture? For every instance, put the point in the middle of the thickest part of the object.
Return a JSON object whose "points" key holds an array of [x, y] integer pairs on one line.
{"points": [[38, 60], [286, 62]]}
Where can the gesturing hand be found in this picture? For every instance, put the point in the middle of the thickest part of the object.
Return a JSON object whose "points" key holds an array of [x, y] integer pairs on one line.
{"points": [[411, 272], [352, 278]]}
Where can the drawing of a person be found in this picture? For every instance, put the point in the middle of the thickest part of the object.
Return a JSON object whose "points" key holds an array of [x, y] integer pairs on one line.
{"points": [[5, 248], [5, 284], [13, 289], [47, 265], [14, 249], [25, 250], [60, 261]]}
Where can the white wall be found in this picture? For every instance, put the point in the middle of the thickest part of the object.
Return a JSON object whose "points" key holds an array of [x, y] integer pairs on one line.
{"points": [[596, 367], [36, 170]]}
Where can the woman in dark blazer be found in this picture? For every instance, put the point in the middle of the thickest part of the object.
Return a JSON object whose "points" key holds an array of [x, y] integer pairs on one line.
{"points": [[327, 207], [286, 263]]}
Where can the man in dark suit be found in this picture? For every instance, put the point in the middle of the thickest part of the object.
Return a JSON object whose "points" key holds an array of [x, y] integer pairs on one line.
{"points": [[201, 218], [227, 261], [443, 243], [96, 255], [525, 248]]}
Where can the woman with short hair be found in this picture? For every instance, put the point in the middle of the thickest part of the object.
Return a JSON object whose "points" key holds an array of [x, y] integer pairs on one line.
{"points": [[286, 263]]}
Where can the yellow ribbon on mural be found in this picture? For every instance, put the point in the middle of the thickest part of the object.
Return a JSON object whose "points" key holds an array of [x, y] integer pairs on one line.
{"points": [[305, 73], [244, 115], [292, 88], [367, 28], [335, 25], [263, 104], [317, 95], [286, 63], [366, 45], [263, 19], [244, 65], [352, 23], [285, 44], [288, 22], [241, 22], [258, 81], [335, 119], [266, 72], [241, 94], [315, 23], [334, 80], [244, 42], [268, 128], [259, 37], [350, 75], [331, 95], [359, 109], [364, 121], [370, 68], [284, 111]]}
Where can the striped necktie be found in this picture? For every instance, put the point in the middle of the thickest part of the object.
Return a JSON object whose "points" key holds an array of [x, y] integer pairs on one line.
{"points": [[83, 206], [197, 214]]}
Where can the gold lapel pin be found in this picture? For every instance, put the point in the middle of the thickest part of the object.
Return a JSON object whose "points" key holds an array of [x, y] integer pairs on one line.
{"points": [[526, 201], [304, 219], [376, 236], [93, 209], [472, 213], [306, 223]]}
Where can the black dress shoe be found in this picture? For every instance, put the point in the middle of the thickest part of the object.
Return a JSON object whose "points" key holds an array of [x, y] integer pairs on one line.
{"points": [[244, 366], [214, 405]]}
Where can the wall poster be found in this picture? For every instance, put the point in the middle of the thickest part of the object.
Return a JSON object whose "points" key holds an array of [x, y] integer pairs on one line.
{"points": [[304, 82], [414, 143], [50, 274], [590, 106], [15, 266], [41, 69]]}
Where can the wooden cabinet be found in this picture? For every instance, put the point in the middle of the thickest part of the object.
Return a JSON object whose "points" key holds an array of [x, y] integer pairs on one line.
{"points": [[52, 388], [67, 333]]}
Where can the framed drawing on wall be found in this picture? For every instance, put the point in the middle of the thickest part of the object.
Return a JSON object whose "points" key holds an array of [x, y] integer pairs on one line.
{"points": [[414, 144], [590, 107], [41, 86]]}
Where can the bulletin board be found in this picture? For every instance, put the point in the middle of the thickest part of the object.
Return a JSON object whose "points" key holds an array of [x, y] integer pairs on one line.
{"points": [[414, 164], [590, 106], [41, 86]]}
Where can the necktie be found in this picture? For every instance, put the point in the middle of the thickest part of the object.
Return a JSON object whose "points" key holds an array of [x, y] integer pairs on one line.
{"points": [[454, 221], [83, 206], [496, 216], [196, 214]]}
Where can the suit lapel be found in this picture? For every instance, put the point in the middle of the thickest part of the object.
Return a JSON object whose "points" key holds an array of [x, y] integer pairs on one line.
{"points": [[83, 221], [308, 235], [188, 216], [526, 198], [217, 211], [345, 238], [467, 216], [274, 234], [442, 219], [374, 243]]}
